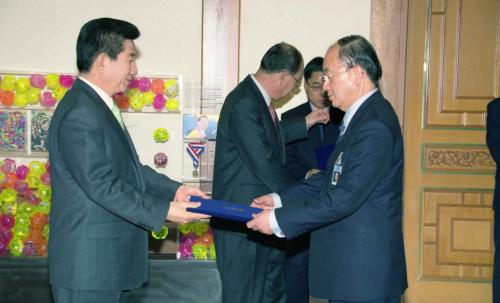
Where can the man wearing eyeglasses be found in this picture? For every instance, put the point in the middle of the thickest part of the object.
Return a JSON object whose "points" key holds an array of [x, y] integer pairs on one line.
{"points": [[304, 158], [354, 209], [250, 162]]}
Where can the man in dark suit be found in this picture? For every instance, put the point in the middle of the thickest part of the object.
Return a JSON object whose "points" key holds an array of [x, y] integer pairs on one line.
{"points": [[355, 208], [493, 142], [250, 162], [301, 162], [103, 200]]}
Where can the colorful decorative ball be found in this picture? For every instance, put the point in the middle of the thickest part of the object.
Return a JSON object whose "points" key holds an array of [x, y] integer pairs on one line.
{"points": [[37, 81], [159, 102], [171, 88], [21, 99], [136, 104], [33, 95], [7, 98], [66, 80], [16, 246], [199, 251], [134, 83], [7, 221], [8, 166], [8, 196], [157, 86], [172, 105], [44, 192], [160, 160], [36, 167], [38, 221], [144, 84], [48, 99], [20, 187], [162, 234], [8, 83], [52, 81], [147, 98], [121, 100], [33, 180], [45, 178], [22, 171], [59, 92], [9, 180], [161, 135], [22, 85]]}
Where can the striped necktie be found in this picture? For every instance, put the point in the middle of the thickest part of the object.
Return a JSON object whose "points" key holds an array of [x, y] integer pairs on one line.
{"points": [[118, 115], [341, 130], [272, 111]]}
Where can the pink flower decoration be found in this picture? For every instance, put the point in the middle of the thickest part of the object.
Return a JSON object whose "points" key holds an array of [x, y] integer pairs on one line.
{"points": [[134, 83], [20, 187], [8, 166], [144, 84], [37, 81], [66, 80], [22, 171], [45, 178], [48, 99], [159, 102]]}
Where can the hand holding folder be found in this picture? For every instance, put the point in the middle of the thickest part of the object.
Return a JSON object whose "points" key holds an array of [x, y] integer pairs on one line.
{"points": [[224, 209]]}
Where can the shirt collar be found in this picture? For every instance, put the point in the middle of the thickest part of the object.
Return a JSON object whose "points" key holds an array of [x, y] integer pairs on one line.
{"points": [[355, 106], [104, 96], [266, 96]]}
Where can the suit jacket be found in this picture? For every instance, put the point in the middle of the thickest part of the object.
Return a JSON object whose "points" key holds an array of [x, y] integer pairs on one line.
{"points": [[300, 154], [250, 151], [250, 162], [103, 199], [355, 211], [493, 142]]}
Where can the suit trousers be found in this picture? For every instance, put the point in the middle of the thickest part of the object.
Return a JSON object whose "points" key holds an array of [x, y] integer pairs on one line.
{"points": [[65, 295], [255, 274], [386, 300], [496, 260]]}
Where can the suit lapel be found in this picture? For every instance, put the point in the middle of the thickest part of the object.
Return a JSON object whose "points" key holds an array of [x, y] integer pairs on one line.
{"points": [[273, 129], [122, 134]]}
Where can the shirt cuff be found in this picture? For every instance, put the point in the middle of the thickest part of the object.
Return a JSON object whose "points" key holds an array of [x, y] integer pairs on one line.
{"points": [[274, 225], [277, 200]]}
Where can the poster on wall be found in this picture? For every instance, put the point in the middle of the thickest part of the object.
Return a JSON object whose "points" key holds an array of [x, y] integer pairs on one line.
{"points": [[12, 130], [40, 121], [200, 126]]}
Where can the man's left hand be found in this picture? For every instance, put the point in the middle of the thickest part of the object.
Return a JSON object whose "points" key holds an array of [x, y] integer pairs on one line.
{"points": [[260, 223], [317, 116], [184, 192]]}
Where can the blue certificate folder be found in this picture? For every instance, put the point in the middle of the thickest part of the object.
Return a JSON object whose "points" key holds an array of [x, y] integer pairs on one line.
{"points": [[224, 209], [323, 153]]}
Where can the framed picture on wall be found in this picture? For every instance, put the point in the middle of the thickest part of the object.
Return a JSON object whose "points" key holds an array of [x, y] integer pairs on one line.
{"points": [[40, 121], [13, 130]]}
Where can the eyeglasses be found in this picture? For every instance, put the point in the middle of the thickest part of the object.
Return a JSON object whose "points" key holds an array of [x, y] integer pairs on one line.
{"points": [[298, 82], [326, 78], [316, 88]]}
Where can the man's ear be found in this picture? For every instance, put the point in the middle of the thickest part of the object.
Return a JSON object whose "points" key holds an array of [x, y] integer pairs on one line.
{"points": [[358, 74], [101, 62]]}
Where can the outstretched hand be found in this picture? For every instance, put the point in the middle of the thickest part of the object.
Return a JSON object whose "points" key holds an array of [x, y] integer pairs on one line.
{"points": [[184, 192], [260, 223], [264, 202], [177, 212], [317, 116]]}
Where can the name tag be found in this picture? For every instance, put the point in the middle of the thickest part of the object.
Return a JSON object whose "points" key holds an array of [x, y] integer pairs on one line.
{"points": [[337, 169]]}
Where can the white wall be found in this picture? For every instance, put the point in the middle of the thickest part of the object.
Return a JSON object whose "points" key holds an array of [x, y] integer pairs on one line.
{"points": [[311, 26], [40, 36]]}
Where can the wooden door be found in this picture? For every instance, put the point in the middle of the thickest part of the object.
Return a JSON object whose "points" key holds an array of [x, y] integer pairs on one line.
{"points": [[453, 71]]}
